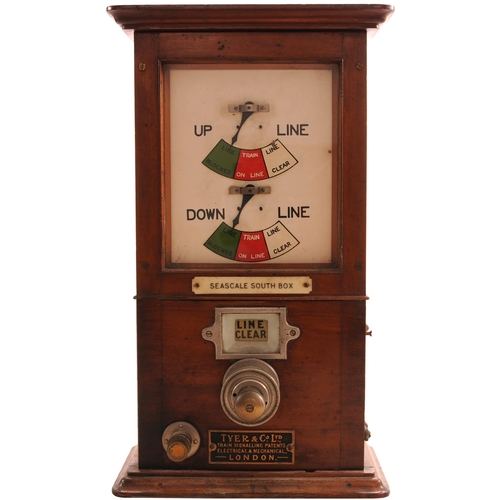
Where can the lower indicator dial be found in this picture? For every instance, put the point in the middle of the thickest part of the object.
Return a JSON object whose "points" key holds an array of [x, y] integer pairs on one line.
{"points": [[251, 246]]}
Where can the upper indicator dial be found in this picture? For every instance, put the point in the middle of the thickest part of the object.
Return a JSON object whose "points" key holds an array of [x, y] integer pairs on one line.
{"points": [[250, 164]]}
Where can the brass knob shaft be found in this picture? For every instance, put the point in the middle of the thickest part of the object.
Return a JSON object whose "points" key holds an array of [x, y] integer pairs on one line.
{"points": [[249, 404]]}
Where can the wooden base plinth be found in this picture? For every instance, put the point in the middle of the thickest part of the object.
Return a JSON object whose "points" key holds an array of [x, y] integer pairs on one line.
{"points": [[368, 483]]}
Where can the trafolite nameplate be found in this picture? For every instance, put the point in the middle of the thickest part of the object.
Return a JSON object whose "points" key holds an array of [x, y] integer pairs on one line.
{"points": [[251, 447], [252, 285]]}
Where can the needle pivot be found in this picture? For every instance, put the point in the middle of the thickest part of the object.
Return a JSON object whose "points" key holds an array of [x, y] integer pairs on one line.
{"points": [[249, 189], [248, 107]]}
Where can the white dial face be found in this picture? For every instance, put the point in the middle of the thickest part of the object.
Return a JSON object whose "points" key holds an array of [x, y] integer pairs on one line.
{"points": [[251, 164]]}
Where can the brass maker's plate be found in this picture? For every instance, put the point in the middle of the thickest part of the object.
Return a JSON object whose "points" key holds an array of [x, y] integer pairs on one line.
{"points": [[251, 447]]}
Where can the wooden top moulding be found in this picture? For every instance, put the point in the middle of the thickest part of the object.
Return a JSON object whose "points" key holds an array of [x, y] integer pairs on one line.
{"points": [[249, 17]]}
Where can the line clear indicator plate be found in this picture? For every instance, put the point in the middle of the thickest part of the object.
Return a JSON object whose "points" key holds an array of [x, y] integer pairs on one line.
{"points": [[240, 332]]}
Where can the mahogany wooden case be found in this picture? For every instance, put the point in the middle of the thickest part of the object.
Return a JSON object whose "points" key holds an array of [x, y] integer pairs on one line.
{"points": [[320, 413]]}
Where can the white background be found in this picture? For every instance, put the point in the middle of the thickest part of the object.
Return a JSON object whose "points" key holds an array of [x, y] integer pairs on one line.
{"points": [[67, 251]]}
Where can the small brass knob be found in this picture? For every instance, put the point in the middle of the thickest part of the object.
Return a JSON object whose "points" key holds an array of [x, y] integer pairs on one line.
{"points": [[178, 447], [249, 404], [180, 441]]}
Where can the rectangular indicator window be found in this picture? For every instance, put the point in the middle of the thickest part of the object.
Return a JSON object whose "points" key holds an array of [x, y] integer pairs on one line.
{"points": [[257, 333]]}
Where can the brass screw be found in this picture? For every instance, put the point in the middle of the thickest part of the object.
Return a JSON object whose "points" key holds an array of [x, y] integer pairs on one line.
{"points": [[360, 65], [142, 66]]}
